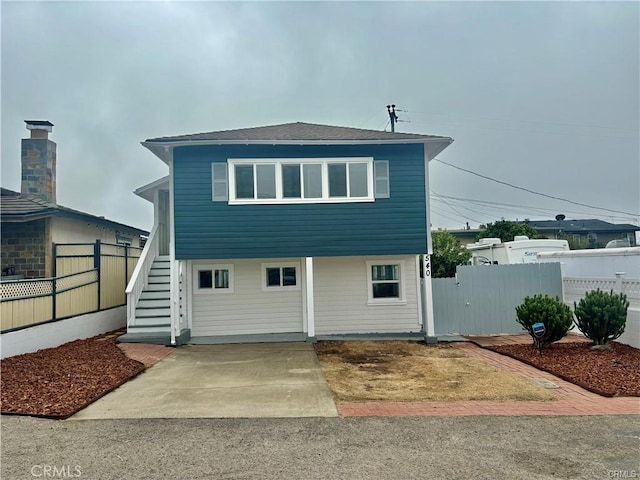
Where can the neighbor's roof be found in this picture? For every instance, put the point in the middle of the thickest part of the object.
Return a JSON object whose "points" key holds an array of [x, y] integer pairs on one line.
{"points": [[15, 207], [584, 226], [298, 131], [44, 123]]}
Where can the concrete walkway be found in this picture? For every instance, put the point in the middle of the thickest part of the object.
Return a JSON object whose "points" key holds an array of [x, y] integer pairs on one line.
{"points": [[223, 381]]}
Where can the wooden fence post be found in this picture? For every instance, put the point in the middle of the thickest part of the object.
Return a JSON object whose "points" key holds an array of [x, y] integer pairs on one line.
{"points": [[97, 250], [54, 286], [126, 266]]}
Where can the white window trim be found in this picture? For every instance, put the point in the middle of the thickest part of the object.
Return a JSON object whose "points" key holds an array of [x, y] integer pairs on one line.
{"points": [[197, 267], [324, 162], [402, 300], [280, 265]]}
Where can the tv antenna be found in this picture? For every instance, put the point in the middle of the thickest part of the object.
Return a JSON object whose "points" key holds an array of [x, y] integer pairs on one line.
{"points": [[391, 109]]}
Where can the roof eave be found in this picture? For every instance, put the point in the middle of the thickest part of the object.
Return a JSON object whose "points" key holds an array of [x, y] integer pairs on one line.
{"points": [[163, 149], [76, 215], [147, 191]]}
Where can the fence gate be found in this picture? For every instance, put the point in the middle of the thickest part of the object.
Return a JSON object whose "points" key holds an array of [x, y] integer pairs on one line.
{"points": [[481, 299]]}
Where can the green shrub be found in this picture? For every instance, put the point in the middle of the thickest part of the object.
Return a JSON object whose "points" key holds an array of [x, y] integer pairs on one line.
{"points": [[602, 316], [555, 315]]}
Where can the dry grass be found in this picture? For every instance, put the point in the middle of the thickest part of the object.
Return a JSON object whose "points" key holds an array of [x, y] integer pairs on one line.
{"points": [[400, 371]]}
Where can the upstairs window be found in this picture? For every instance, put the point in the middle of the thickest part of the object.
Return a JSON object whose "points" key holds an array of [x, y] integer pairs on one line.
{"points": [[308, 180]]}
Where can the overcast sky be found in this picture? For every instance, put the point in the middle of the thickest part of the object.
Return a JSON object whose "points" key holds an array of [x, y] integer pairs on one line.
{"points": [[544, 96]]}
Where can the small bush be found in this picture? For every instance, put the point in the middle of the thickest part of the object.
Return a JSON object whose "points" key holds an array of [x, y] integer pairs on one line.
{"points": [[602, 316], [555, 315]]}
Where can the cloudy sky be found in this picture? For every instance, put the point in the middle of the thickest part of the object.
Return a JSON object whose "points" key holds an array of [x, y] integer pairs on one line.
{"points": [[543, 96]]}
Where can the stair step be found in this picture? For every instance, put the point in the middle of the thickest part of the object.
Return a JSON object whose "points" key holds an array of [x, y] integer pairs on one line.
{"points": [[154, 272], [155, 295], [154, 303], [160, 328], [159, 279], [151, 321], [153, 312], [157, 287]]}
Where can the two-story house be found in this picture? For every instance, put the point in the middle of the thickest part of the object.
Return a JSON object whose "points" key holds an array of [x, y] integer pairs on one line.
{"points": [[292, 231]]}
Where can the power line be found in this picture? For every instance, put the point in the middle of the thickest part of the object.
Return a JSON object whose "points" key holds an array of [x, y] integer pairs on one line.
{"points": [[529, 121], [529, 131], [451, 207], [532, 191], [378, 111], [539, 210]]}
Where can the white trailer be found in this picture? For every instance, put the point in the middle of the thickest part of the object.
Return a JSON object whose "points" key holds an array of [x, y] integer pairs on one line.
{"points": [[491, 251]]}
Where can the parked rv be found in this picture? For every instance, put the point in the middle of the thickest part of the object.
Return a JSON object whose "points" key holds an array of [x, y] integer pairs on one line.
{"points": [[492, 251]]}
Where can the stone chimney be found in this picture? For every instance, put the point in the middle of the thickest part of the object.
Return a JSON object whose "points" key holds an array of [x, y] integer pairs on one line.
{"points": [[39, 161]]}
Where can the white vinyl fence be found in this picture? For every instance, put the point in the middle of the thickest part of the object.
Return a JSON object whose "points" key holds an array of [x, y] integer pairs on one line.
{"points": [[575, 289]]}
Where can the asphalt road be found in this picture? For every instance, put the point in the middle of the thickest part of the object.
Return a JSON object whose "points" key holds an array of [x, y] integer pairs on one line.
{"points": [[328, 448]]}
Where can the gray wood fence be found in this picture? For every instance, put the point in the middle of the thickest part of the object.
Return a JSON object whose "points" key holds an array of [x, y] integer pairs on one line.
{"points": [[481, 299]]}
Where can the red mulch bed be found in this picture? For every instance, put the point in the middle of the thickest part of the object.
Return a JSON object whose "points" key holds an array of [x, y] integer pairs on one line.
{"points": [[611, 374], [58, 382]]}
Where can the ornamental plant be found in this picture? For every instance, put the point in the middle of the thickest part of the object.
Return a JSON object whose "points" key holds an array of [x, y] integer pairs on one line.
{"points": [[551, 312], [602, 316]]}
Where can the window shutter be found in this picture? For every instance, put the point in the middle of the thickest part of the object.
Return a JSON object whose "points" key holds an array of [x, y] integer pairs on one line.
{"points": [[381, 178], [219, 182]]}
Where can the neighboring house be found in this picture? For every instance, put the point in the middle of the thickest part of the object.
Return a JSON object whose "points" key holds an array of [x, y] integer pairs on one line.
{"points": [[289, 231], [589, 233], [464, 236], [32, 220]]}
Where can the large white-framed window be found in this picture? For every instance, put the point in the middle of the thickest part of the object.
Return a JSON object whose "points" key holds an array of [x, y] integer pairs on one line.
{"points": [[386, 283], [301, 180], [212, 278], [280, 276]]}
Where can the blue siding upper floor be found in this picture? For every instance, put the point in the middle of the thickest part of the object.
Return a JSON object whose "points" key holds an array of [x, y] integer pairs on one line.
{"points": [[216, 230]]}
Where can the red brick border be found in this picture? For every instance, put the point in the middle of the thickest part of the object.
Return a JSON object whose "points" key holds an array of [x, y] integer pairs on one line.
{"points": [[145, 353]]}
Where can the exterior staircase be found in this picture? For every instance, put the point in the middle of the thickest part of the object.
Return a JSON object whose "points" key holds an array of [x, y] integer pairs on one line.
{"points": [[153, 311]]}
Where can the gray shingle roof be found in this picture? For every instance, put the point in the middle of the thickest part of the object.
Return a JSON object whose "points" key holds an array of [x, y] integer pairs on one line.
{"points": [[13, 203], [298, 131], [585, 226], [17, 207]]}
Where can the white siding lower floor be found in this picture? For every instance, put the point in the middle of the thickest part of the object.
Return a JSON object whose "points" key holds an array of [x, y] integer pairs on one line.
{"points": [[341, 297], [249, 309], [341, 300]]}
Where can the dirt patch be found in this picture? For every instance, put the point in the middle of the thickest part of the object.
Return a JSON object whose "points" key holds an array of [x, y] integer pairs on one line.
{"points": [[608, 373], [58, 382], [401, 371]]}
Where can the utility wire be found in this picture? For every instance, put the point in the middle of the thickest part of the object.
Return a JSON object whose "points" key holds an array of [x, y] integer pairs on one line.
{"points": [[473, 117], [378, 111], [538, 210], [533, 192], [451, 207]]}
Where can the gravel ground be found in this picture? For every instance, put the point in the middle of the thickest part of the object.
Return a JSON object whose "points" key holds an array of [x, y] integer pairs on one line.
{"points": [[608, 373], [331, 448]]}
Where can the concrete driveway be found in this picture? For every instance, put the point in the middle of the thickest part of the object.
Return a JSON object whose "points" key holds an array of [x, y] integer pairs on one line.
{"points": [[223, 381]]}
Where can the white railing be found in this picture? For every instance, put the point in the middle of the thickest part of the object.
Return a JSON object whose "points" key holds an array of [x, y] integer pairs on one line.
{"points": [[576, 288], [141, 274]]}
